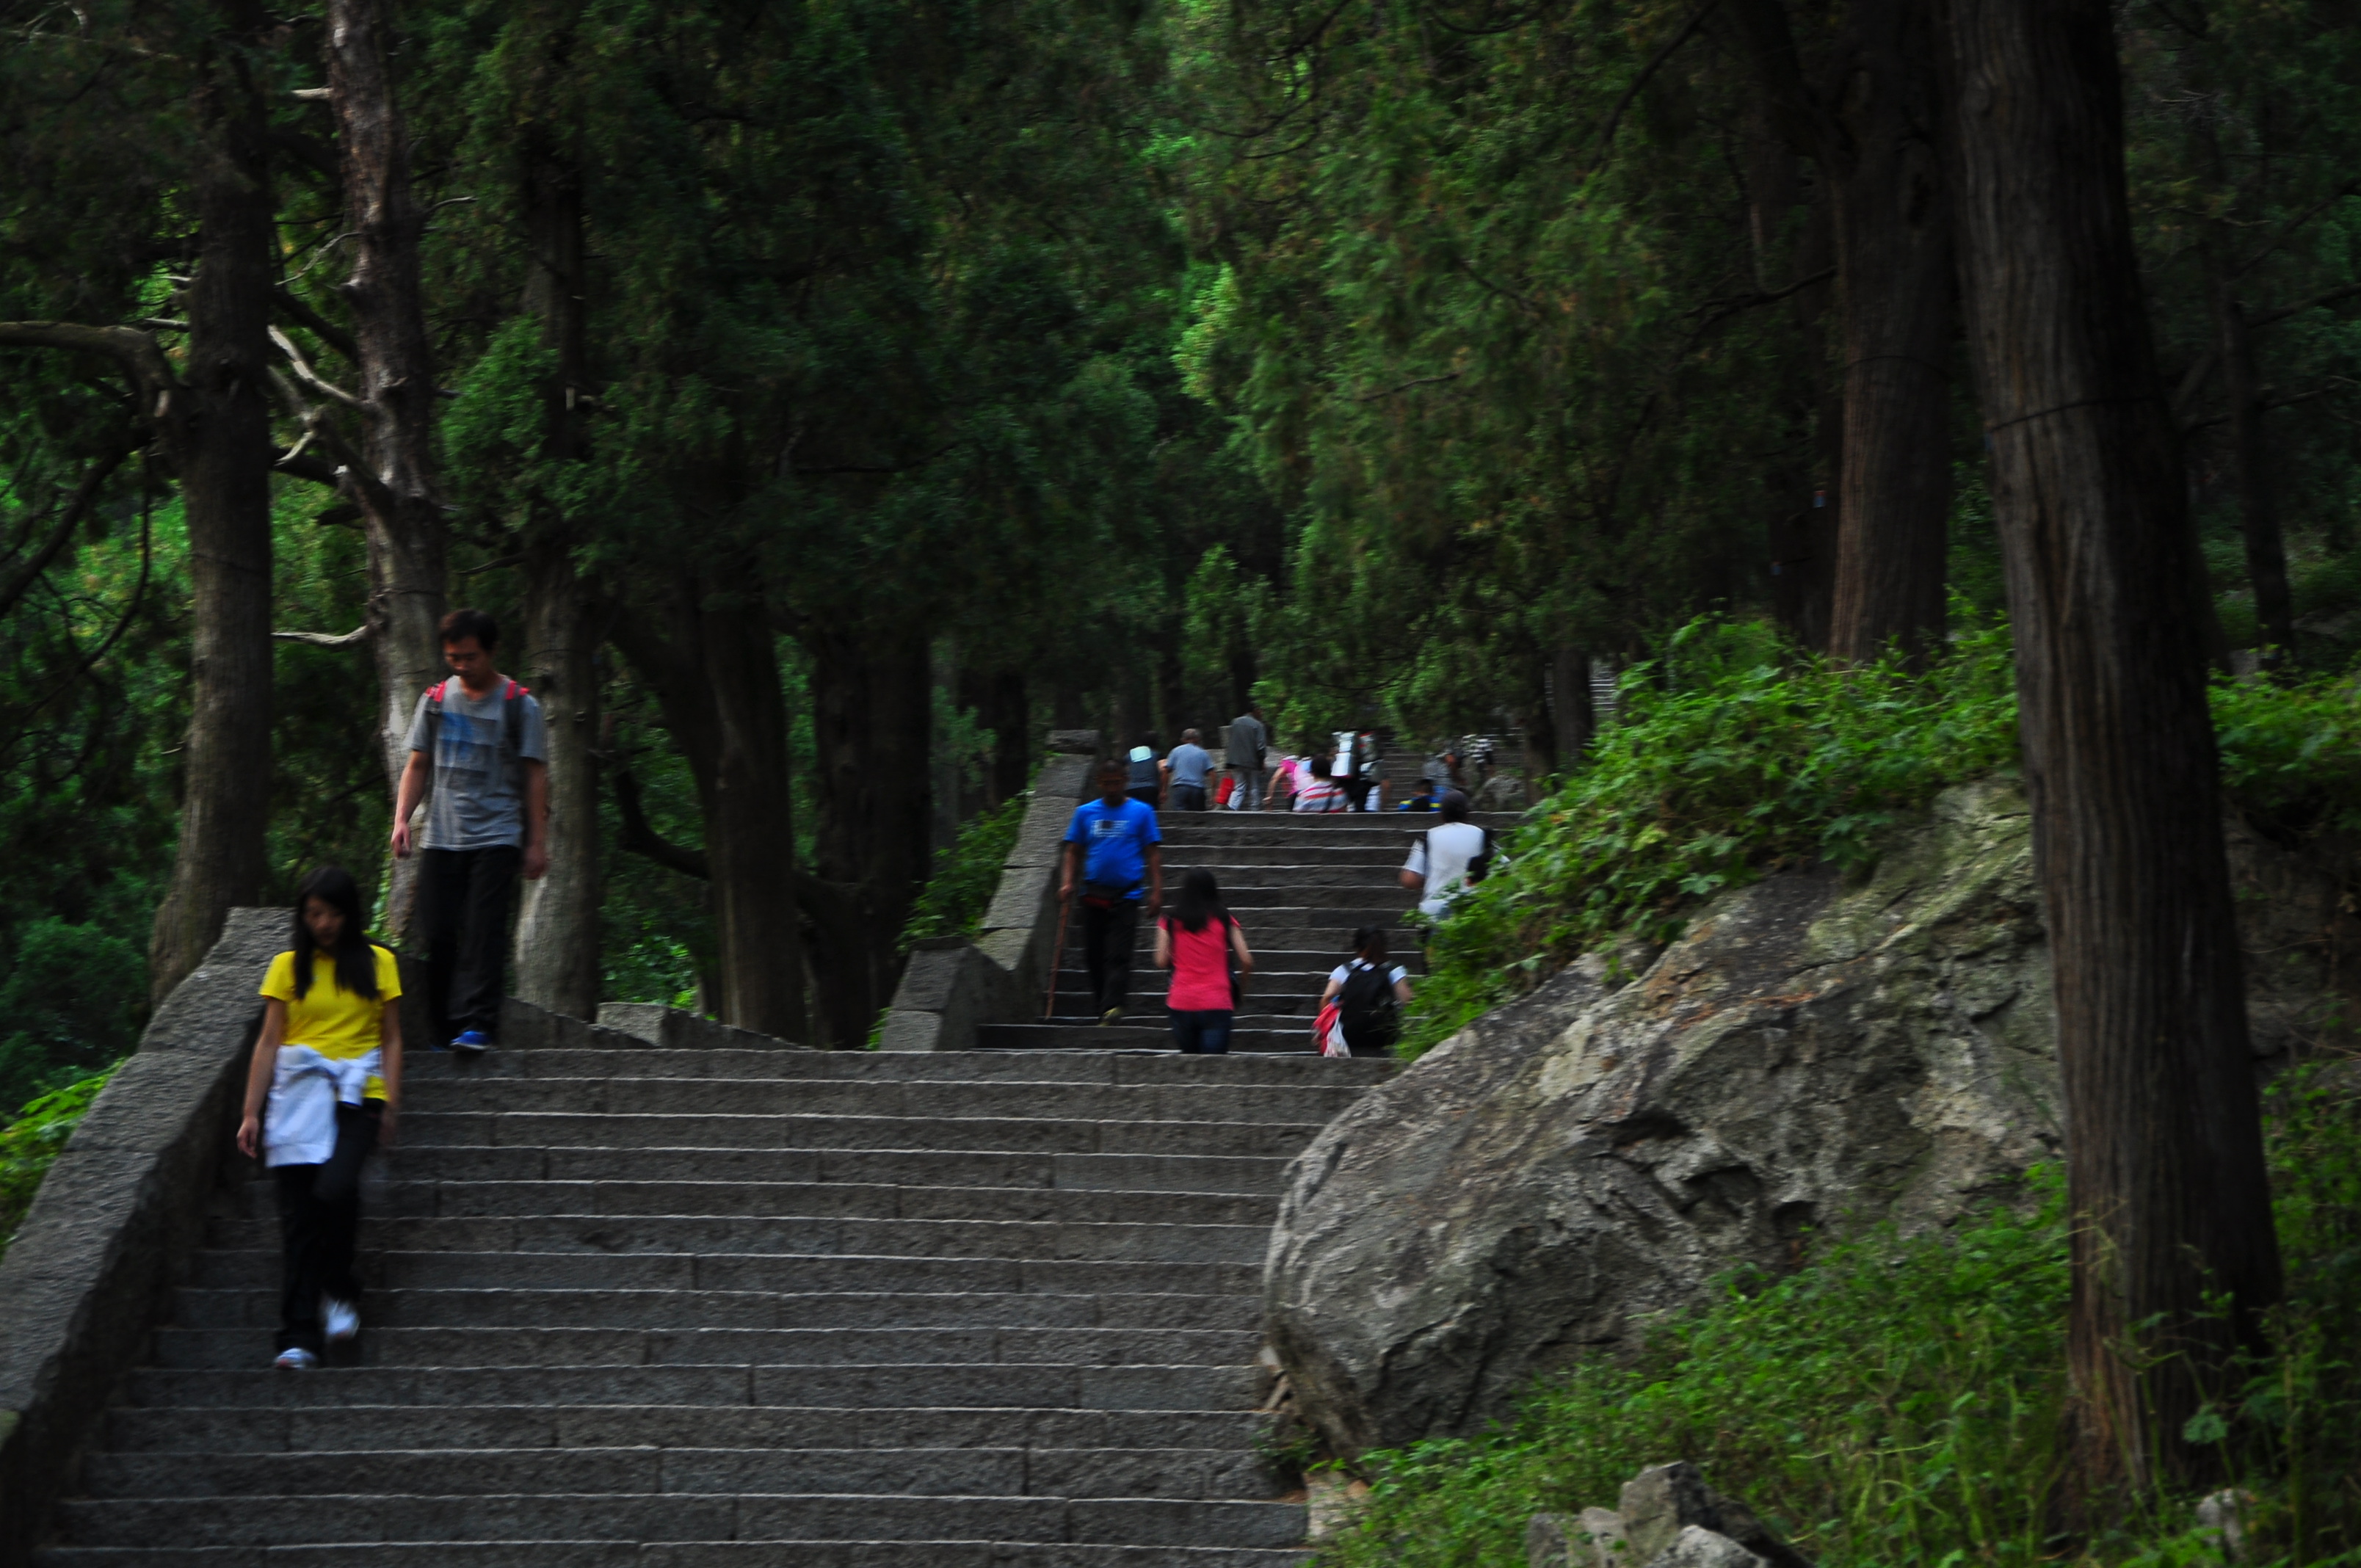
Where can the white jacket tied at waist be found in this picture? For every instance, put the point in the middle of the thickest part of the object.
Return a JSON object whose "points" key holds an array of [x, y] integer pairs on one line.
{"points": [[305, 1090]]}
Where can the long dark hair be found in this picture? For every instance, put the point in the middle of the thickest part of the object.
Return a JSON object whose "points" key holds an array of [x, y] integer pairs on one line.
{"points": [[1369, 945], [356, 964], [1200, 900]]}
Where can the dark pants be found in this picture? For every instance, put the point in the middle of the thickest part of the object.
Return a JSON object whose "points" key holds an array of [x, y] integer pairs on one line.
{"points": [[1147, 794], [464, 900], [1249, 795], [1108, 937], [1203, 1034], [319, 1223], [1188, 797]]}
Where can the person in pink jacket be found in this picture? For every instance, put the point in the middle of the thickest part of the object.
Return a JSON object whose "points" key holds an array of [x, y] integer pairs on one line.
{"points": [[1197, 942]]}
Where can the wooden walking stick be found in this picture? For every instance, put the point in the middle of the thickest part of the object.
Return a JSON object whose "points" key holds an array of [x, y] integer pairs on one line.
{"points": [[1057, 961]]}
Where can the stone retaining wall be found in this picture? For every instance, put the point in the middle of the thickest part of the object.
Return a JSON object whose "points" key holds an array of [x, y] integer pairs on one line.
{"points": [[954, 984], [115, 1221]]}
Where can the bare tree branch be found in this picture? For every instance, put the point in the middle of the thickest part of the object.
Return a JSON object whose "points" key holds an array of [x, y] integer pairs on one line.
{"points": [[642, 838], [86, 493], [310, 378], [135, 350], [300, 312], [353, 639], [1606, 138]]}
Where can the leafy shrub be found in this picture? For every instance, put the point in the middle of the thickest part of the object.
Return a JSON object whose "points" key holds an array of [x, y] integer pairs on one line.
{"points": [[1736, 754], [31, 1144], [1739, 754], [956, 897], [72, 999], [1898, 1400]]}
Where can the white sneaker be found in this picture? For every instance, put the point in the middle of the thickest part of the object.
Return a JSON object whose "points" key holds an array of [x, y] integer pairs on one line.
{"points": [[295, 1358], [344, 1319]]}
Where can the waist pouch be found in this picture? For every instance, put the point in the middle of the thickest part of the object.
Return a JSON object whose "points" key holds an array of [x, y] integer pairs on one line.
{"points": [[1104, 894]]}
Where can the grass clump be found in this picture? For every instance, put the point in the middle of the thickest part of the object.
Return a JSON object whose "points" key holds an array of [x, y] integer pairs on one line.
{"points": [[1737, 755], [1899, 1400], [966, 874], [31, 1144]]}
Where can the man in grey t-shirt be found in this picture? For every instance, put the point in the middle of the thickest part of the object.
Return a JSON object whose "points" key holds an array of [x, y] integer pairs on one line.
{"points": [[478, 755], [1186, 769]]}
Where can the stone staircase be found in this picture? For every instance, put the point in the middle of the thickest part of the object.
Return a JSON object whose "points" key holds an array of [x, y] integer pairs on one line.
{"points": [[1297, 884], [721, 1308]]}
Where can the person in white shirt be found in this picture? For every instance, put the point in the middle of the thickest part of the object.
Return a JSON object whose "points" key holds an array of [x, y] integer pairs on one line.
{"points": [[1439, 858], [1370, 1018]]}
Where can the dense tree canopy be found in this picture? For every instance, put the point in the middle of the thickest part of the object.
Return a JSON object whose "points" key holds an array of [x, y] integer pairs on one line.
{"points": [[830, 400]]}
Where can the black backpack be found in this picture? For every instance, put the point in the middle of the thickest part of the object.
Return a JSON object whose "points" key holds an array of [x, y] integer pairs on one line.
{"points": [[1364, 1007]]}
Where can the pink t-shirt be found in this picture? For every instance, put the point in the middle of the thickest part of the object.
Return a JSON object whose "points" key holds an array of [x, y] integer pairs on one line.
{"points": [[1201, 967]]}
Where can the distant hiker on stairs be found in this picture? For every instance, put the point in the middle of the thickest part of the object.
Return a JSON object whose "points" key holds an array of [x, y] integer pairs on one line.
{"points": [[479, 743], [1113, 846], [1248, 743], [1197, 942]]}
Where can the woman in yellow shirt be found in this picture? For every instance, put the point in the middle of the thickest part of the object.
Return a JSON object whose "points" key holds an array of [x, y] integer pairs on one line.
{"points": [[323, 1091]]}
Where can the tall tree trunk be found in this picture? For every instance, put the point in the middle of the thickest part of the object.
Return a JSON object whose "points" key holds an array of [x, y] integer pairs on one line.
{"points": [[2164, 1146], [1894, 270], [1870, 133], [869, 723], [1172, 691], [1572, 719], [224, 464], [400, 509], [2258, 511], [1007, 712], [557, 927], [709, 654]]}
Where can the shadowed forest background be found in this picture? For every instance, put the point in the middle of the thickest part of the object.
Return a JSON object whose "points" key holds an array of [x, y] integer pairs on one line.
{"points": [[829, 400]]}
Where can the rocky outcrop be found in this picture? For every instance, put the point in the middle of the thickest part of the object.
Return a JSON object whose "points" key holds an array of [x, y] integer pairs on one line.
{"points": [[1815, 1052]]}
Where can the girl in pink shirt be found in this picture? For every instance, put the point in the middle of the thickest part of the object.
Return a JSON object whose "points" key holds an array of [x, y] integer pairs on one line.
{"points": [[1196, 942]]}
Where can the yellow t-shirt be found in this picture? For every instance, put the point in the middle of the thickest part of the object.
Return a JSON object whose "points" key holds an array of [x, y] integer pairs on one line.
{"points": [[331, 1019]]}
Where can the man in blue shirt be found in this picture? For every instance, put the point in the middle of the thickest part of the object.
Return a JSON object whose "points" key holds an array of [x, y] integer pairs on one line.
{"points": [[1186, 769], [1112, 846]]}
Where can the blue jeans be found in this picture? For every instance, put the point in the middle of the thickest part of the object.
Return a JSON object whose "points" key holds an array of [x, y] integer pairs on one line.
{"points": [[1203, 1033]]}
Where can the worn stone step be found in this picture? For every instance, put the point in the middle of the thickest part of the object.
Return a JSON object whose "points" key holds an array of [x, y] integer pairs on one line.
{"points": [[675, 1554], [202, 1308], [1013, 1133], [272, 1520], [1139, 1024], [1112, 1066], [612, 1234], [915, 1167], [1308, 1102], [973, 1471], [257, 1268], [897, 1385], [503, 1346], [237, 1430], [455, 1200]]}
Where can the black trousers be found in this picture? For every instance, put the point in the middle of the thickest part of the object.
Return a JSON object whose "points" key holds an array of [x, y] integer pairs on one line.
{"points": [[1108, 935], [1188, 797], [320, 1224], [464, 901]]}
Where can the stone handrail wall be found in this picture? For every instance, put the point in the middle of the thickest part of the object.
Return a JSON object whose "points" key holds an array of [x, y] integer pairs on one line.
{"points": [[115, 1221], [954, 984]]}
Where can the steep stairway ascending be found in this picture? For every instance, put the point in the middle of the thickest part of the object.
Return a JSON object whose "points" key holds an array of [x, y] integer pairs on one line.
{"points": [[713, 1308], [1299, 885]]}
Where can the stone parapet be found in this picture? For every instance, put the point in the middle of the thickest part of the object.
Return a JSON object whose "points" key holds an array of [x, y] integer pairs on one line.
{"points": [[117, 1220], [952, 984], [645, 1023]]}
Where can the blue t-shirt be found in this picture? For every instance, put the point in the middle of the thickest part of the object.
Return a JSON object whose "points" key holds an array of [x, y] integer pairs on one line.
{"points": [[1191, 764], [1114, 840]]}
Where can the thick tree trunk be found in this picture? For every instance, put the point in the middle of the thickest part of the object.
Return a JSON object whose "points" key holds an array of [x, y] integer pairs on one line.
{"points": [[557, 928], [1573, 721], [2258, 512], [224, 467], [1008, 713], [716, 675], [2165, 1160], [401, 509], [557, 946], [1871, 130], [869, 725], [1894, 272]]}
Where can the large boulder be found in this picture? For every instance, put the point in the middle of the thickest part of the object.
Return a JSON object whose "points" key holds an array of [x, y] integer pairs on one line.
{"points": [[1815, 1052]]}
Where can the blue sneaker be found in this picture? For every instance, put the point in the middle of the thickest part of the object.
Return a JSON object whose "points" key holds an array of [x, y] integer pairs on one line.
{"points": [[471, 1040]]}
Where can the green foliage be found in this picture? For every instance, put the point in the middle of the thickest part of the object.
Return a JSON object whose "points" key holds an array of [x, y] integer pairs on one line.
{"points": [[1898, 1401], [73, 998], [1737, 755], [2291, 752], [966, 873], [31, 1144]]}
